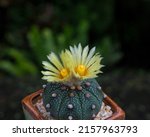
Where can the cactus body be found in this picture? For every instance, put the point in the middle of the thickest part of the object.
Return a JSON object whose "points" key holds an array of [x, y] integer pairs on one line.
{"points": [[64, 102]]}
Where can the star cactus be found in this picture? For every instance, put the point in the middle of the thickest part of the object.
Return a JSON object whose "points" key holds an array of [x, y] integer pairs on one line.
{"points": [[71, 91]]}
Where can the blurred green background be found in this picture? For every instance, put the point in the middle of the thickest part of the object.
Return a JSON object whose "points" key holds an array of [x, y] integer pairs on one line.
{"points": [[30, 29]]}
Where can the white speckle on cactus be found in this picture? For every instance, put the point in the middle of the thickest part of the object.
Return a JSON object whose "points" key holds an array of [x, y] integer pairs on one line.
{"points": [[70, 106], [54, 95], [48, 105], [99, 88], [88, 83], [87, 95], [70, 117], [71, 95], [79, 87], [44, 86], [72, 87], [93, 106]]}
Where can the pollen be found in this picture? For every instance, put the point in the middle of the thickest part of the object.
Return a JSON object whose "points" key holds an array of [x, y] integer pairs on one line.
{"points": [[64, 73], [81, 70]]}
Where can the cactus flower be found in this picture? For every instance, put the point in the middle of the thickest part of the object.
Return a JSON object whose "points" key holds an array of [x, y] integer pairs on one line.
{"points": [[72, 65]]}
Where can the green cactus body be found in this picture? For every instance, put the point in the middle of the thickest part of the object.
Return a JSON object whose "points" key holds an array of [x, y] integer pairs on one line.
{"points": [[64, 102]]}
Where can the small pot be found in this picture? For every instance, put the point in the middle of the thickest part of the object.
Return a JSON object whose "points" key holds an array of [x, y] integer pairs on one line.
{"points": [[31, 112]]}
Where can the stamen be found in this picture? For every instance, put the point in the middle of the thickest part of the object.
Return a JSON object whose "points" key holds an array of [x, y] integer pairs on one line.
{"points": [[63, 72], [81, 70]]}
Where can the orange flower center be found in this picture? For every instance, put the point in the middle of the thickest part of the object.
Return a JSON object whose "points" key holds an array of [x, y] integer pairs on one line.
{"points": [[81, 70], [64, 73]]}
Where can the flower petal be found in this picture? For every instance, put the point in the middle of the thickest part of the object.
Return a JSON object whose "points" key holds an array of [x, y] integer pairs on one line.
{"points": [[94, 59], [49, 73], [78, 53], [50, 67], [84, 54], [91, 53], [55, 61]]}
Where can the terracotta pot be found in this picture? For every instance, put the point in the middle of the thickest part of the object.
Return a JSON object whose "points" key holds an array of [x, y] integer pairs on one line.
{"points": [[31, 112]]}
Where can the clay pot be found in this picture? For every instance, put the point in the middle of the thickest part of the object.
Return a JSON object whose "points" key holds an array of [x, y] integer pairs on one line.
{"points": [[31, 112]]}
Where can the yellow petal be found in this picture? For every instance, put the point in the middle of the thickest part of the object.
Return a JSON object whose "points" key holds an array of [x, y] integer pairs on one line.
{"points": [[50, 67], [51, 78], [55, 61], [49, 73], [84, 54], [74, 54], [94, 59], [91, 53], [78, 51], [65, 59]]}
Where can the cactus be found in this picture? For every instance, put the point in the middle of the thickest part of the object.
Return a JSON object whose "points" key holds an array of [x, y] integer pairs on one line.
{"points": [[71, 91], [63, 102]]}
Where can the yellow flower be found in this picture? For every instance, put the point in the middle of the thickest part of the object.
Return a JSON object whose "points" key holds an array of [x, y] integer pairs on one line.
{"points": [[85, 63], [73, 65], [57, 69]]}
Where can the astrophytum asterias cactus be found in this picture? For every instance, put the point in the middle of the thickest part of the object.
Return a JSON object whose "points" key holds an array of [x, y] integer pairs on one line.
{"points": [[71, 91]]}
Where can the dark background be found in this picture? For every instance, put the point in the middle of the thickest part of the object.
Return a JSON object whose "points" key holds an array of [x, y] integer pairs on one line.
{"points": [[30, 29]]}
